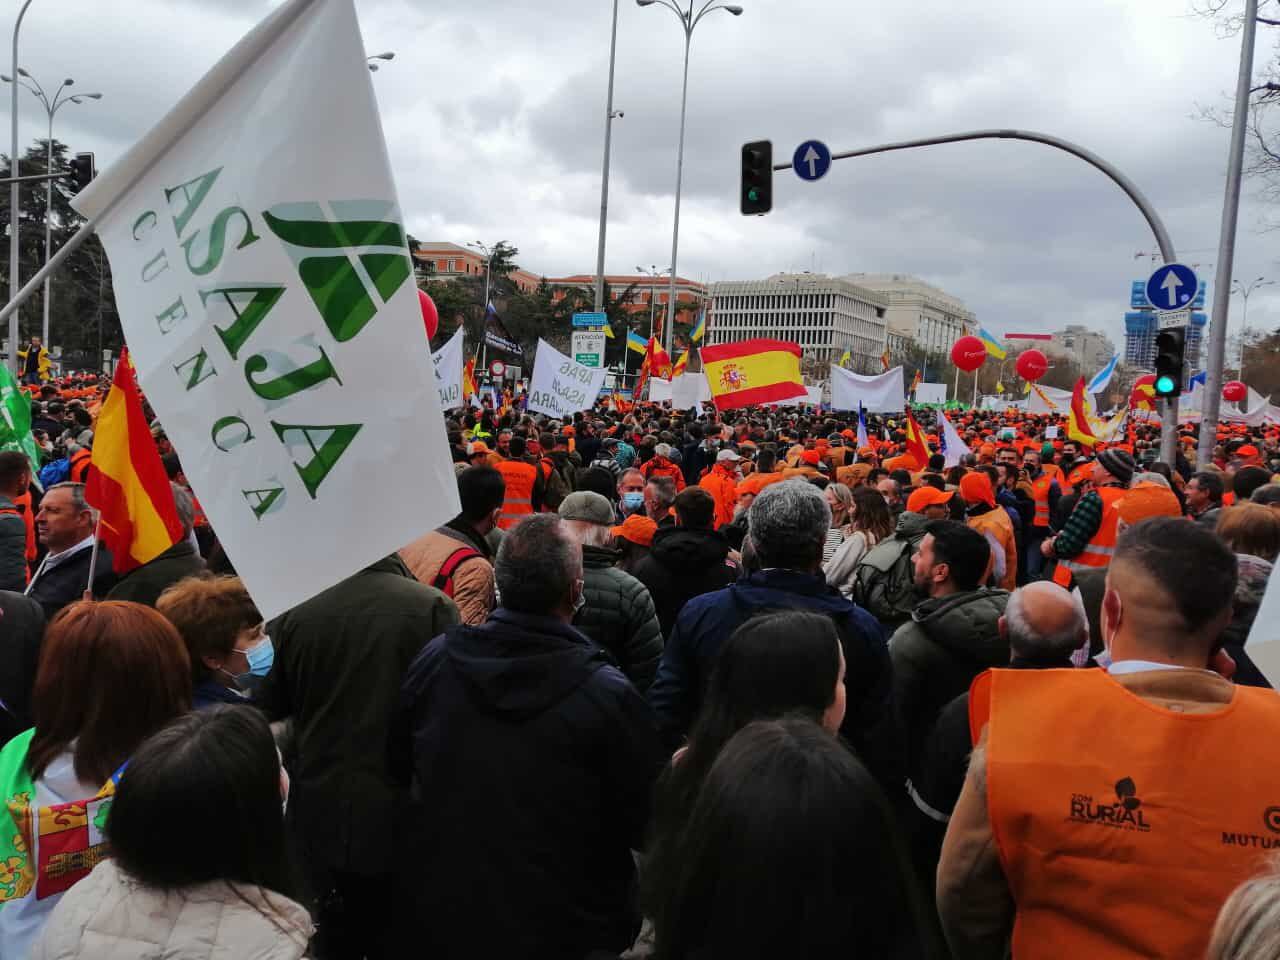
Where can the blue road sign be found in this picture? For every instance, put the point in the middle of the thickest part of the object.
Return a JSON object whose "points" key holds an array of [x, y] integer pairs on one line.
{"points": [[1172, 287], [812, 160], [590, 319]]}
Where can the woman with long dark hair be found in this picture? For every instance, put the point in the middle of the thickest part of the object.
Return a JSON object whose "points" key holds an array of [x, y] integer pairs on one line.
{"points": [[789, 851], [198, 866]]}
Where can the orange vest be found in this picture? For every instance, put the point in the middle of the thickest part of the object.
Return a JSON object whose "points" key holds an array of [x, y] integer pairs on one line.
{"points": [[757, 482], [1040, 494], [518, 502], [723, 487], [1121, 826], [1097, 552], [78, 466]]}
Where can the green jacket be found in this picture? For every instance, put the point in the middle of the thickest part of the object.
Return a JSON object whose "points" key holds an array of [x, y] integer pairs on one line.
{"points": [[619, 615]]}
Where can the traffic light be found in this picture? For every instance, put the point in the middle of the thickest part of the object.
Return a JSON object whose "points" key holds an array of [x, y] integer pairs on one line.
{"points": [[757, 177], [1170, 346], [82, 171]]}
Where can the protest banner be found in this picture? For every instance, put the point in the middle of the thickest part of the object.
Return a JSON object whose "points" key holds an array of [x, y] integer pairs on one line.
{"points": [[560, 387], [264, 284], [448, 365], [882, 393]]}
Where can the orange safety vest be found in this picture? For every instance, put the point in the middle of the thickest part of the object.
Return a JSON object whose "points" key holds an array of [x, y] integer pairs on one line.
{"points": [[1120, 828], [1040, 494], [518, 502], [1097, 552], [78, 465]]}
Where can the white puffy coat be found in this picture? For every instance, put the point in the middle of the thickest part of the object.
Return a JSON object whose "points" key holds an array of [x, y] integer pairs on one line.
{"points": [[110, 916]]}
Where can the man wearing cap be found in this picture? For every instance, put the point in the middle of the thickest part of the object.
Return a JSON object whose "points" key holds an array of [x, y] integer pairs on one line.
{"points": [[930, 502], [1088, 538], [618, 612], [722, 483], [807, 466]]}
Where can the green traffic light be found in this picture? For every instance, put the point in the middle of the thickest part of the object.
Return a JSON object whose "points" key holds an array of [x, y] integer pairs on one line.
{"points": [[1164, 384], [753, 195]]}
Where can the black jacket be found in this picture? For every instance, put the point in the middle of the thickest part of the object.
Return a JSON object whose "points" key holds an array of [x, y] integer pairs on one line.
{"points": [[619, 616], [13, 547], [56, 587], [21, 630], [147, 582], [340, 659], [535, 758], [681, 565]]}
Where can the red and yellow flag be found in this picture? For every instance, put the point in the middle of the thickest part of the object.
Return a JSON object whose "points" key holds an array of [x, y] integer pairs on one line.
{"points": [[751, 372], [916, 446], [681, 365], [1078, 427], [127, 483], [469, 378], [659, 361]]}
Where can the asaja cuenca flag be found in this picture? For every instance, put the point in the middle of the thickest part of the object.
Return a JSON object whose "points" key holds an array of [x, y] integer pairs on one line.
{"points": [[15, 419], [264, 284], [561, 387]]}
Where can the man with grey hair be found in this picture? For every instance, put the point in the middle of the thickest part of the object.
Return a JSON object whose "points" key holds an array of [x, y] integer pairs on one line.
{"points": [[65, 526], [788, 525], [1043, 625], [535, 758], [659, 496], [145, 583], [618, 612]]}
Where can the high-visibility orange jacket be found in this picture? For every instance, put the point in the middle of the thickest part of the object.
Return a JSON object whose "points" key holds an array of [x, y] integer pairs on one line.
{"points": [[757, 482], [1040, 494], [1097, 552], [1121, 826], [78, 465], [518, 502], [662, 467], [722, 484], [997, 523]]}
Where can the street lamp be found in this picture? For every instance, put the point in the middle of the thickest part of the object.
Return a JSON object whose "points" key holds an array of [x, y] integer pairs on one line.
{"points": [[14, 285], [609, 115], [688, 21], [373, 67], [654, 274], [51, 106], [1244, 290], [488, 262]]}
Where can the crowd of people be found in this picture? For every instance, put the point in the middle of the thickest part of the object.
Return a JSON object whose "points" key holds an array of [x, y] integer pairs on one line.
{"points": [[672, 684]]}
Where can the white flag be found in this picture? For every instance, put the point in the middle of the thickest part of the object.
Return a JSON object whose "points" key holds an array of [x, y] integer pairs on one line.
{"points": [[561, 387], [882, 393], [954, 449], [448, 364], [690, 390], [264, 284]]}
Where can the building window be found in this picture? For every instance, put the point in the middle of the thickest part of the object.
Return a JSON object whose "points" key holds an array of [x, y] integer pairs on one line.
{"points": [[452, 266]]}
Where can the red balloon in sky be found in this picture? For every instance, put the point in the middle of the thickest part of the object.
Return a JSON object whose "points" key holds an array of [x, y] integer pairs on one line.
{"points": [[430, 316], [969, 353], [1031, 365], [1233, 391]]}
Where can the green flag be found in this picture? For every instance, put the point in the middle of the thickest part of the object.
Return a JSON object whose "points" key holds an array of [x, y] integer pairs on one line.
{"points": [[15, 420]]}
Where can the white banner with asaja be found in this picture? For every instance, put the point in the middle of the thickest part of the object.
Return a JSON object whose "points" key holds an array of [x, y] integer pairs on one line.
{"points": [[560, 387], [263, 280], [448, 363]]}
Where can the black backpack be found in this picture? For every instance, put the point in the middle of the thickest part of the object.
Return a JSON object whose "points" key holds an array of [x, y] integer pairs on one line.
{"points": [[884, 581]]}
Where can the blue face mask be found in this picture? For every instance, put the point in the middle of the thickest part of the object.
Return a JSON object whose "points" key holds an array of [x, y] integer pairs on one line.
{"points": [[260, 657], [632, 502]]}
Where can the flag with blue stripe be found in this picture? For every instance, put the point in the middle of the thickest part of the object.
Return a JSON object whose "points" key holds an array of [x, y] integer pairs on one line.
{"points": [[636, 342], [700, 327], [862, 428], [1103, 377]]}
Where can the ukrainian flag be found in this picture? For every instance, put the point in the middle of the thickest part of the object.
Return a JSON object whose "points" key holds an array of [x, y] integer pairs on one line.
{"points": [[992, 344], [636, 342], [699, 328]]}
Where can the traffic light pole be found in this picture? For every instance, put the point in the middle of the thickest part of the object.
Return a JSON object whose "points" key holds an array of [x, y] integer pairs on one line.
{"points": [[1169, 429]]}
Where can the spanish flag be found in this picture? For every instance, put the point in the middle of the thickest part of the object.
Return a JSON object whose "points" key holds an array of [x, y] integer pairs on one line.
{"points": [[916, 446], [681, 365], [469, 378], [1078, 428], [884, 359], [659, 360], [752, 372], [128, 484]]}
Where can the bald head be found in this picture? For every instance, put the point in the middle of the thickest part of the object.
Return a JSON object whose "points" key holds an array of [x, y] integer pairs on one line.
{"points": [[1044, 622]]}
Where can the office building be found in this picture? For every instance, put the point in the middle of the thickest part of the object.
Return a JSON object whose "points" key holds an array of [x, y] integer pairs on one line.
{"points": [[1089, 350], [918, 313]]}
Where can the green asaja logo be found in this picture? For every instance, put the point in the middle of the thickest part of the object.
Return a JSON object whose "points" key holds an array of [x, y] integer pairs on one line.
{"points": [[351, 257]]}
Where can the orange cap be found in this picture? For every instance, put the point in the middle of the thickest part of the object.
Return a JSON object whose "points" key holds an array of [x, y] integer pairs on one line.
{"points": [[976, 488], [637, 528], [927, 497]]}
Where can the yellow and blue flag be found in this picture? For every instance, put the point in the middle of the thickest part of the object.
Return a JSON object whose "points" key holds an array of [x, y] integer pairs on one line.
{"points": [[992, 344], [636, 342], [699, 328]]}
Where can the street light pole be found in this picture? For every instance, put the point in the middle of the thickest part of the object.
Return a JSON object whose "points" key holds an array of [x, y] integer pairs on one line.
{"points": [[688, 21], [1244, 292], [14, 285], [653, 273], [373, 67], [609, 114], [51, 106], [488, 264]]}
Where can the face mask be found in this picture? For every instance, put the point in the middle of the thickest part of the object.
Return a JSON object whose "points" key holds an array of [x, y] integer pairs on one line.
{"points": [[632, 502], [260, 657]]}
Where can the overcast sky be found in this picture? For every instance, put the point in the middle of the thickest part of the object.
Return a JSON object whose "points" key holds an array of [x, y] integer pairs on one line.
{"points": [[494, 115]]}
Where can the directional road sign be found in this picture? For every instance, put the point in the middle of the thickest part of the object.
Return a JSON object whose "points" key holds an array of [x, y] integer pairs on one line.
{"points": [[1174, 318], [588, 349], [812, 160], [1172, 287], [590, 319]]}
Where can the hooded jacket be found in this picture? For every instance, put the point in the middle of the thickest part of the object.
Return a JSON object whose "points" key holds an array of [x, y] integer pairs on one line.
{"points": [[706, 622], [619, 616], [684, 563], [936, 654], [535, 758]]}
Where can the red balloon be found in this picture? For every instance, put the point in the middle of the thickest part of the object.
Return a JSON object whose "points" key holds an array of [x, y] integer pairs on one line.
{"points": [[430, 316], [968, 353], [1233, 391], [1031, 365]]}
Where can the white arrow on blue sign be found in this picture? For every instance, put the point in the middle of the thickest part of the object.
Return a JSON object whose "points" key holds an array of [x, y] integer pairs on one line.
{"points": [[1172, 287], [812, 160]]}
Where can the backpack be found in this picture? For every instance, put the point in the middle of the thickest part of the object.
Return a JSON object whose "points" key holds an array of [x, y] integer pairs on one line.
{"points": [[55, 472], [444, 579], [884, 581]]}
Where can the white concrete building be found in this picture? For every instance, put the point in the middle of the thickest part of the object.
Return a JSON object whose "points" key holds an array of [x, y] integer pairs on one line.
{"points": [[918, 312], [825, 315], [1088, 349]]}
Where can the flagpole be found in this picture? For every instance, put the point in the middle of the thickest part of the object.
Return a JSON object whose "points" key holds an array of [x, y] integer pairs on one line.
{"points": [[93, 557], [37, 279]]}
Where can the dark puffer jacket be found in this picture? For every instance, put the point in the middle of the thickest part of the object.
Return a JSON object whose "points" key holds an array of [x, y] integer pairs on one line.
{"points": [[619, 616], [683, 564], [936, 654]]}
